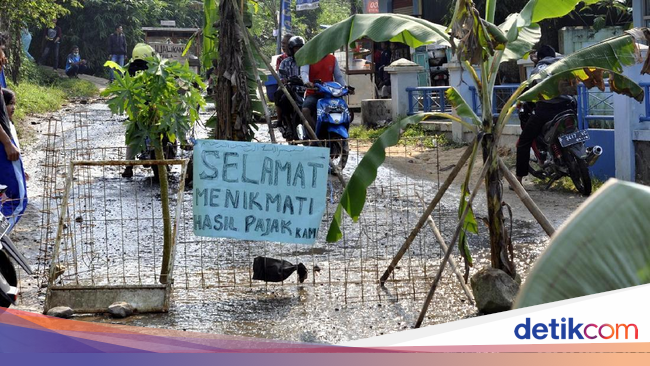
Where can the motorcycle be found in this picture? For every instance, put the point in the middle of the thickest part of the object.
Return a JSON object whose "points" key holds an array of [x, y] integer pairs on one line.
{"points": [[333, 118], [560, 150], [290, 125], [149, 153], [8, 252]]}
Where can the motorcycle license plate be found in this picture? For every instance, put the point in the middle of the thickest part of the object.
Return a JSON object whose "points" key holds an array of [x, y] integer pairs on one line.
{"points": [[4, 225], [337, 118], [574, 138]]}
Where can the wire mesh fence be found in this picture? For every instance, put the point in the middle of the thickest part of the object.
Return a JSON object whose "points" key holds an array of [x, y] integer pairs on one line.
{"points": [[112, 234]]}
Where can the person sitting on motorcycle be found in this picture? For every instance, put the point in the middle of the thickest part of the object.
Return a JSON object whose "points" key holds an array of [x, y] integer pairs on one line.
{"points": [[138, 63], [288, 69], [543, 112], [325, 70]]}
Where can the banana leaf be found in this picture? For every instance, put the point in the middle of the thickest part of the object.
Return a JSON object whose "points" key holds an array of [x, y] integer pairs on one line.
{"points": [[538, 10], [462, 108], [566, 83], [604, 246], [354, 195], [210, 48], [522, 38], [590, 65], [378, 27]]}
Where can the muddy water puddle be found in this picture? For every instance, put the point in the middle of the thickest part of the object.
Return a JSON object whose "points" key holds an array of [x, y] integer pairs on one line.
{"points": [[115, 237]]}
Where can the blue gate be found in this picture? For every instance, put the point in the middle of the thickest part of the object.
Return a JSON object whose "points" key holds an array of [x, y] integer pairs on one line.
{"points": [[596, 114]]}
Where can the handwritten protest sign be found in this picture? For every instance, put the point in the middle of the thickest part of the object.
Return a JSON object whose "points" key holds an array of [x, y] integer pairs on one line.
{"points": [[254, 191]]}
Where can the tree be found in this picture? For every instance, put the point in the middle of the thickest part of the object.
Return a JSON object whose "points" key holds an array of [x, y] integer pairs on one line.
{"points": [[35, 13], [476, 41], [160, 101]]}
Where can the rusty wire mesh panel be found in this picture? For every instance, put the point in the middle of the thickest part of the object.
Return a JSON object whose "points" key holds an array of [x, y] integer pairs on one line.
{"points": [[208, 267], [112, 231]]}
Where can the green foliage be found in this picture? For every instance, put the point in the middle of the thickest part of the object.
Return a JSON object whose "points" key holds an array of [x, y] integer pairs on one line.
{"points": [[90, 26], [37, 13], [602, 247], [161, 100], [305, 23], [33, 98], [77, 88], [42, 90], [469, 225], [210, 40], [565, 184]]}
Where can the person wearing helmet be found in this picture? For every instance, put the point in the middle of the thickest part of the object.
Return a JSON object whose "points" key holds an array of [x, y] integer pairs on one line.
{"points": [[325, 70], [138, 62], [116, 49], [543, 111], [141, 51], [289, 69]]}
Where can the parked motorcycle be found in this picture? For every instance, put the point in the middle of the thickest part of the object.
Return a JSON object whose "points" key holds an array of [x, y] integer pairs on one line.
{"points": [[8, 251], [560, 150], [169, 150], [333, 118]]}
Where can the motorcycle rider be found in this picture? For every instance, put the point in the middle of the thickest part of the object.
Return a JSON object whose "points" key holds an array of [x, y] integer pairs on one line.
{"points": [[543, 112], [288, 69], [327, 69], [138, 63]]}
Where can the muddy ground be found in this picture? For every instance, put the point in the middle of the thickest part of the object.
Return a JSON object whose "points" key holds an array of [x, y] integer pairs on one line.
{"points": [[341, 302]]}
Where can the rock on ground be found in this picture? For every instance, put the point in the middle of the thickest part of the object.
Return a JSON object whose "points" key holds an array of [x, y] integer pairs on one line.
{"points": [[494, 291], [120, 309], [60, 312]]}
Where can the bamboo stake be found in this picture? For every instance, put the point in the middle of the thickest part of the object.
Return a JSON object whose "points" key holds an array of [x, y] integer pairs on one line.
{"points": [[427, 212], [452, 261], [267, 114], [459, 227], [526, 199]]}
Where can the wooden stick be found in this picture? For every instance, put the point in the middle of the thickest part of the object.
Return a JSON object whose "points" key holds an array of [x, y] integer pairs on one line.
{"points": [[427, 212], [526, 199], [452, 261], [459, 227]]}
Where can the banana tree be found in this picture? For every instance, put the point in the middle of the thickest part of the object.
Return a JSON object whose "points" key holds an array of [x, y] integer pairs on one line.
{"points": [[237, 76], [477, 42]]}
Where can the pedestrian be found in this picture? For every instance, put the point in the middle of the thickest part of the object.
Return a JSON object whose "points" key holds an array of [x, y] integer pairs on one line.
{"points": [[26, 40], [53, 36], [75, 64], [116, 49], [14, 200]]}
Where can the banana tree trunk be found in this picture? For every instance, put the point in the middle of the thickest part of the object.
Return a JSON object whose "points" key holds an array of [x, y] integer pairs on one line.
{"points": [[167, 225], [232, 98], [499, 236]]}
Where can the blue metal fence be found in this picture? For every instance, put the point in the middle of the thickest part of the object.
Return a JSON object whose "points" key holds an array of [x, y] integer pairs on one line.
{"points": [[500, 96], [428, 99], [595, 108]]}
